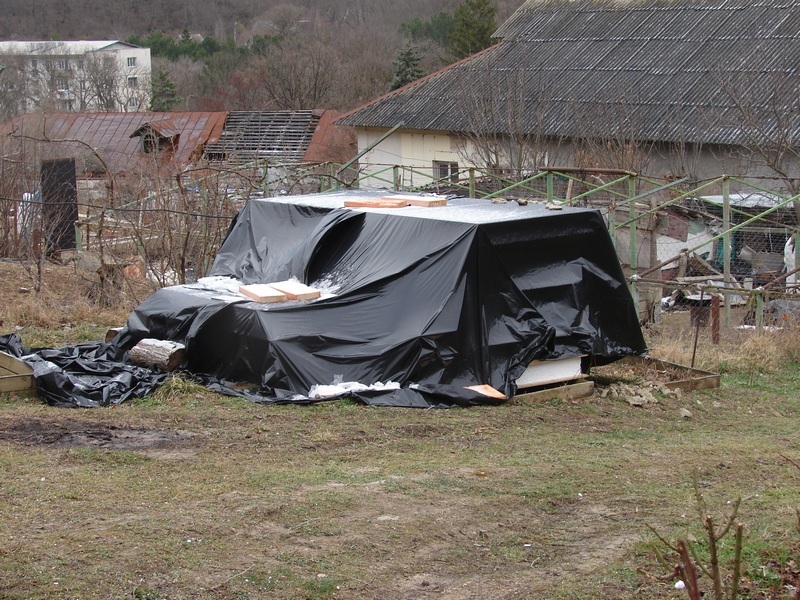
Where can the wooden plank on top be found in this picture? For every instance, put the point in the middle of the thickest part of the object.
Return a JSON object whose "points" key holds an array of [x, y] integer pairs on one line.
{"points": [[375, 203], [295, 290], [425, 201], [262, 293]]}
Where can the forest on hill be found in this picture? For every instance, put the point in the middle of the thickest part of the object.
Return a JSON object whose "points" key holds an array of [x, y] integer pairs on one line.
{"points": [[267, 54]]}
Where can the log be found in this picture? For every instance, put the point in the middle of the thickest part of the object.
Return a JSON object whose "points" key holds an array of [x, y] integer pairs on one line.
{"points": [[163, 354]]}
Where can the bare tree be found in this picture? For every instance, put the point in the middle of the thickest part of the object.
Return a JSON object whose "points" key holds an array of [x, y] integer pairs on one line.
{"points": [[505, 126], [298, 74]]}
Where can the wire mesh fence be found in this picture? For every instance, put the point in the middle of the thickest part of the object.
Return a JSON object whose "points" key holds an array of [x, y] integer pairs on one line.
{"points": [[680, 243]]}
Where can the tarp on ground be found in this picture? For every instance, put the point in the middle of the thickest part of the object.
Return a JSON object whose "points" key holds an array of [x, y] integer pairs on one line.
{"points": [[418, 303]]}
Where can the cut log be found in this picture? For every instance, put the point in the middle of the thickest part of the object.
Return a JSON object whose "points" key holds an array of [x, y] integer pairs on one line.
{"points": [[263, 293], [295, 290], [163, 354]]}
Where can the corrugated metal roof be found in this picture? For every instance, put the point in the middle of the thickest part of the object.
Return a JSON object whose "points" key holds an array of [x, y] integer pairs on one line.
{"points": [[109, 134], [666, 71]]}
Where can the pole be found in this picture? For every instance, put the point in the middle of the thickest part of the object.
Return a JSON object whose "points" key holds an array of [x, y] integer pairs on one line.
{"points": [[726, 244]]}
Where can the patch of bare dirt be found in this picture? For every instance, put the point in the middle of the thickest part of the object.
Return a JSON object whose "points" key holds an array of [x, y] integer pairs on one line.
{"points": [[65, 434]]}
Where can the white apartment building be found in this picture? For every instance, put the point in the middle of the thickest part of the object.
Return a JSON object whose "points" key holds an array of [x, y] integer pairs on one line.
{"points": [[82, 76]]}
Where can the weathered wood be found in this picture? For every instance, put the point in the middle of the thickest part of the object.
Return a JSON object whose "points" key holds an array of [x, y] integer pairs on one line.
{"points": [[15, 375], [163, 354], [563, 392], [262, 293], [16, 383]]}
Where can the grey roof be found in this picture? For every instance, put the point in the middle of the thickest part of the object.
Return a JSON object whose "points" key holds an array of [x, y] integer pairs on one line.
{"points": [[712, 72]]}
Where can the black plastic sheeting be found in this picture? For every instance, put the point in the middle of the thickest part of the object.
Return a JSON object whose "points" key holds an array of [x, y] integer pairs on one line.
{"points": [[432, 299]]}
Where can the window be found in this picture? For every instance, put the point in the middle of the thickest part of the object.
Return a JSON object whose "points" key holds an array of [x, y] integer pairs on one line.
{"points": [[131, 62], [133, 83], [133, 102], [83, 85], [445, 170], [62, 65], [62, 85], [34, 63]]}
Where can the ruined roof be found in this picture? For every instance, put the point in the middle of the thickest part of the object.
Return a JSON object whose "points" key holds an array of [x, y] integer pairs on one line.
{"points": [[714, 72], [112, 135], [276, 136]]}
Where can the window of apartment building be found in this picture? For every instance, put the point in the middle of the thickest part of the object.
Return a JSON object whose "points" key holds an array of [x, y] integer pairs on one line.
{"points": [[83, 85], [133, 102], [445, 170], [62, 85], [34, 63], [81, 65], [133, 83], [62, 64], [131, 62]]}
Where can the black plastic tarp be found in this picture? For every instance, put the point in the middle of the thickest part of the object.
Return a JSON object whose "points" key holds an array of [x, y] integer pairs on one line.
{"points": [[430, 299]]}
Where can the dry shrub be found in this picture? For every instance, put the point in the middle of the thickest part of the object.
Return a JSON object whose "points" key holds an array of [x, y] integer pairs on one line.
{"points": [[745, 350]]}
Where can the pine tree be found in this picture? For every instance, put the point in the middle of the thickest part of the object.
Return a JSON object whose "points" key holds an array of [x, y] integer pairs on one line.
{"points": [[165, 94], [406, 66], [474, 25]]}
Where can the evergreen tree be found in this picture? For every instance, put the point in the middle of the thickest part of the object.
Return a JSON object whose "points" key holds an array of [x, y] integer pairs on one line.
{"points": [[165, 94], [474, 25], [406, 66]]}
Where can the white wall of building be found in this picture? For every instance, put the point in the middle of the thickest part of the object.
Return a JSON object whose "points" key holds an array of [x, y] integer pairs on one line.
{"points": [[101, 76]]}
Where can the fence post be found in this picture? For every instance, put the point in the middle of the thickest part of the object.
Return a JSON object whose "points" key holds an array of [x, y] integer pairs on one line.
{"points": [[396, 177], [266, 179], [759, 310], [726, 245], [550, 194], [472, 182], [632, 218]]}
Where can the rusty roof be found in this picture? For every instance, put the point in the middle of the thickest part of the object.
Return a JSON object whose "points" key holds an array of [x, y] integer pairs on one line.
{"points": [[110, 135], [712, 72]]}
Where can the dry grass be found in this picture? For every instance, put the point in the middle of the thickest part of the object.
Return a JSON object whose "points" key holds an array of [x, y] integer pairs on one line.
{"points": [[189, 494]]}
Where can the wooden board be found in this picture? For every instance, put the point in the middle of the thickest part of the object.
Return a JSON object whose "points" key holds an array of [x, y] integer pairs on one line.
{"points": [[568, 391], [544, 372], [295, 290], [425, 201], [487, 390], [689, 378], [380, 203], [262, 293], [15, 375]]}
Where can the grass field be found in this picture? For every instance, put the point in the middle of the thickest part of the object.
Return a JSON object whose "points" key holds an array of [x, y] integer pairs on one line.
{"points": [[189, 494]]}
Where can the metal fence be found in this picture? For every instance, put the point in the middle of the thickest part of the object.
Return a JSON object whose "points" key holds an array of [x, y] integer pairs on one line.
{"points": [[678, 241]]}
